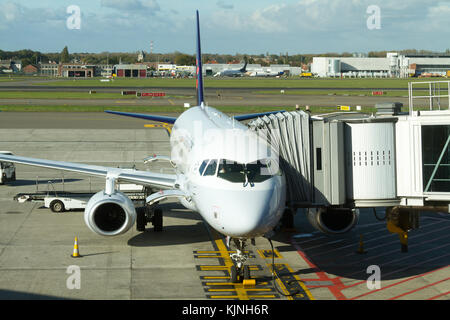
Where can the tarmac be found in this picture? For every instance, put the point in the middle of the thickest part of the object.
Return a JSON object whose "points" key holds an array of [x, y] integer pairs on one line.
{"points": [[187, 260]]}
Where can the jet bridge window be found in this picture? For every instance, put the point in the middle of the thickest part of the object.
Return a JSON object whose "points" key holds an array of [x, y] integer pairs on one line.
{"points": [[436, 158], [236, 172]]}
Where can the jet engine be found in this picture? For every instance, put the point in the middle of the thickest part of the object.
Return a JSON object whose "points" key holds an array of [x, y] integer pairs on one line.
{"points": [[110, 214], [333, 220]]}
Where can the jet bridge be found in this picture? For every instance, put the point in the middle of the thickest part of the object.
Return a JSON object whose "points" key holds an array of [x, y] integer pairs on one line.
{"points": [[339, 162]]}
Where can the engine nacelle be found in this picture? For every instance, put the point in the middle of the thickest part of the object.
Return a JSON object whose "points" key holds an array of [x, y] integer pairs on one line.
{"points": [[110, 215], [333, 220]]}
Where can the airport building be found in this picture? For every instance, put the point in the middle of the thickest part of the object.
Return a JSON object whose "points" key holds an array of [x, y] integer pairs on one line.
{"points": [[103, 70], [130, 70], [393, 65], [30, 69], [48, 69], [76, 70]]}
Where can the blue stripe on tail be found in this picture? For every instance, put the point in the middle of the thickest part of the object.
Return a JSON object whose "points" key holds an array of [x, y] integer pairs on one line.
{"points": [[199, 82]]}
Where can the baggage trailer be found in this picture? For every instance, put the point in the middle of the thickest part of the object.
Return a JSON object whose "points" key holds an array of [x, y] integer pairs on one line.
{"points": [[60, 201], [340, 162]]}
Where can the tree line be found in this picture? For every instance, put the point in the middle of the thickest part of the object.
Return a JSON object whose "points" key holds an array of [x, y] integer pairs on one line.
{"points": [[34, 57]]}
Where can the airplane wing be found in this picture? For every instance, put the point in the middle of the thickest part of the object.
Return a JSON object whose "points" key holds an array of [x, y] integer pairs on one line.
{"points": [[128, 175], [165, 119], [172, 120]]}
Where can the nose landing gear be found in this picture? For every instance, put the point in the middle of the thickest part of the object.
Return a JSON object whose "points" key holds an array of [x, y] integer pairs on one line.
{"points": [[239, 271]]}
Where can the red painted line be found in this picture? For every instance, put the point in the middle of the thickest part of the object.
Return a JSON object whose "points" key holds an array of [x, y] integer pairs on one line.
{"points": [[411, 246], [322, 275], [395, 284], [406, 257], [406, 268], [439, 295], [371, 240], [418, 289], [338, 285]]}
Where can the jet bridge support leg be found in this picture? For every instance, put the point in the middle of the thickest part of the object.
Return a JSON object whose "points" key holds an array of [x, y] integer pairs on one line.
{"points": [[402, 219]]}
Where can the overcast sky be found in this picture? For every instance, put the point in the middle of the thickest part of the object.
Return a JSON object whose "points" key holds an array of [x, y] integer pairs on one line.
{"points": [[227, 26]]}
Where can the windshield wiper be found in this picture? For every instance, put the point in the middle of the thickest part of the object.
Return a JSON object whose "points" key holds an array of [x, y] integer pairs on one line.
{"points": [[246, 172]]}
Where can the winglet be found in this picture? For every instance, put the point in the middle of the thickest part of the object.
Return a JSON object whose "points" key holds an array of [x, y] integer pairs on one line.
{"points": [[199, 82]]}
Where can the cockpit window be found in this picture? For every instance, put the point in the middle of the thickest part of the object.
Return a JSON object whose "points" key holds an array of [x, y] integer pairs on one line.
{"points": [[208, 167], [203, 166], [236, 172], [211, 168]]}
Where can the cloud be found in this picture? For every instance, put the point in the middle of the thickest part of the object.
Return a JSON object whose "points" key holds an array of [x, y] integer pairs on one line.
{"points": [[131, 5], [14, 13], [223, 5]]}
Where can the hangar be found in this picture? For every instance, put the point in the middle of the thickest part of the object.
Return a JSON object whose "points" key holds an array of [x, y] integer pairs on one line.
{"points": [[130, 70]]}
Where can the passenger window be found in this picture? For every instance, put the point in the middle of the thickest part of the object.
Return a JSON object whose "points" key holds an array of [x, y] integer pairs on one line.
{"points": [[211, 168]]}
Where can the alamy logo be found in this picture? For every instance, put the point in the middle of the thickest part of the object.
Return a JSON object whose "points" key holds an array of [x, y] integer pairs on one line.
{"points": [[73, 22], [374, 19], [374, 280], [74, 280]]}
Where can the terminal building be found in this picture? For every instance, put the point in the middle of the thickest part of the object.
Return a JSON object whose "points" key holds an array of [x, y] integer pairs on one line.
{"points": [[393, 65]]}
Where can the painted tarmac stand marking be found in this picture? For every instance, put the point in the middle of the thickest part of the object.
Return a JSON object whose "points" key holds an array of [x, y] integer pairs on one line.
{"points": [[336, 285], [219, 287]]}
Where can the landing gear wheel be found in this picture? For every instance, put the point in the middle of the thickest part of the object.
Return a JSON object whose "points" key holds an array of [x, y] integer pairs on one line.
{"points": [[233, 274], [287, 220], [141, 219], [239, 269], [246, 272], [158, 220], [57, 206]]}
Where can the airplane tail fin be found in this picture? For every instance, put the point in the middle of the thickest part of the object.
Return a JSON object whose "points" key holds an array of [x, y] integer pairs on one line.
{"points": [[199, 81], [244, 68]]}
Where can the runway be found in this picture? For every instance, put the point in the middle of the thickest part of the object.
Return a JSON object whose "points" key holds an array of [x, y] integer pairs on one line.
{"points": [[188, 260]]}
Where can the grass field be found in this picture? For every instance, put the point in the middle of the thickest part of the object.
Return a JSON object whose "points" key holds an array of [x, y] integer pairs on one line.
{"points": [[14, 77], [371, 83], [365, 93], [146, 109], [71, 95]]}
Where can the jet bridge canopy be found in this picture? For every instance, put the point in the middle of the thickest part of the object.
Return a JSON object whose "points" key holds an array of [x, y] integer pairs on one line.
{"points": [[289, 134]]}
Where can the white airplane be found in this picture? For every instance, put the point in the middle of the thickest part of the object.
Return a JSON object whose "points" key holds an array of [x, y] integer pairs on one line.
{"points": [[262, 73], [222, 170]]}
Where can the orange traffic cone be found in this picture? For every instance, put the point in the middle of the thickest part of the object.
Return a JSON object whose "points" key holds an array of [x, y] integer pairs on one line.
{"points": [[361, 246], [76, 253]]}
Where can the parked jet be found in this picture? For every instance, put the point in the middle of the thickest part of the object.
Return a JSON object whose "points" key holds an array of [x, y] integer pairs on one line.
{"points": [[233, 73], [223, 170], [262, 73]]}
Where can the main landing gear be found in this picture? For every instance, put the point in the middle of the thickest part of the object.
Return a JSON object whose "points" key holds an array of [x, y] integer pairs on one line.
{"points": [[146, 215], [239, 271]]}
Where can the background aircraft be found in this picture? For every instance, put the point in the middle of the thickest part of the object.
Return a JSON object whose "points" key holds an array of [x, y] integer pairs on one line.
{"points": [[262, 73], [233, 72]]}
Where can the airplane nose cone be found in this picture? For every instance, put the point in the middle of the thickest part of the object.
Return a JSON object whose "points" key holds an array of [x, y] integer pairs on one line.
{"points": [[252, 213]]}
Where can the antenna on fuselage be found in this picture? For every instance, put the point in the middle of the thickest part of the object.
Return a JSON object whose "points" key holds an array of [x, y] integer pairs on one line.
{"points": [[199, 72]]}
